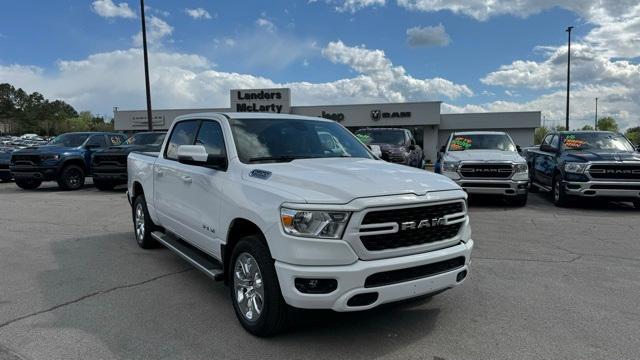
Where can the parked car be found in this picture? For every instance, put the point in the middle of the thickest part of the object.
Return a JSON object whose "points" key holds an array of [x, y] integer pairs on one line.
{"points": [[486, 162], [67, 159], [5, 160], [586, 164], [110, 165], [396, 145], [259, 201]]}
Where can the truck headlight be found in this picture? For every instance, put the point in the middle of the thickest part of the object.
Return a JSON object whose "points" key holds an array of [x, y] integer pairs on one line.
{"points": [[450, 166], [50, 157], [314, 223], [521, 168], [576, 168]]}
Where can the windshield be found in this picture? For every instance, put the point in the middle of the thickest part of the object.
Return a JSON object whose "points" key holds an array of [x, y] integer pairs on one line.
{"points": [[394, 137], [270, 140], [150, 139], [70, 140], [482, 142], [595, 141]]}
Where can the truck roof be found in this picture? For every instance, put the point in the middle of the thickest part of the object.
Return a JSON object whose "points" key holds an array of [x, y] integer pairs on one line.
{"points": [[479, 133], [251, 115]]}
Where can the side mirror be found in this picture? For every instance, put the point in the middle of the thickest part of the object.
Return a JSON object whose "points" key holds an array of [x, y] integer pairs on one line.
{"points": [[518, 149], [443, 149], [197, 155], [412, 147], [548, 148]]}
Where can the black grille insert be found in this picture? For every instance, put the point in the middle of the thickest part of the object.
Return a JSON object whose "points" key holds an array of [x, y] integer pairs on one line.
{"points": [[486, 170], [485, 185], [411, 237], [615, 171], [413, 273], [117, 160], [25, 159]]}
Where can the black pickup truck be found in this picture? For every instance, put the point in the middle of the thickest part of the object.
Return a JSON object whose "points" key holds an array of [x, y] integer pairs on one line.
{"points": [[110, 165], [397, 145], [585, 164]]}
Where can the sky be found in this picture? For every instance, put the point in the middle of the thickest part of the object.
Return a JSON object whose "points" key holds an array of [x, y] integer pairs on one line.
{"points": [[472, 55]]}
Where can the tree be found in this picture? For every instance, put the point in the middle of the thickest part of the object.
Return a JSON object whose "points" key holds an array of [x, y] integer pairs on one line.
{"points": [[607, 124], [587, 127], [633, 134], [539, 134]]}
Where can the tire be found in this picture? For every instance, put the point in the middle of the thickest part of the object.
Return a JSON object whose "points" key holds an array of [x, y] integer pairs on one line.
{"points": [[273, 312], [28, 184], [71, 178], [636, 204], [520, 200], [142, 224], [103, 185], [559, 196]]}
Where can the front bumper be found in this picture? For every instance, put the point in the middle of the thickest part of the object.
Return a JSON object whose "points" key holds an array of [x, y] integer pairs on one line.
{"points": [[506, 187], [613, 189], [351, 279], [119, 175], [44, 173], [5, 174]]}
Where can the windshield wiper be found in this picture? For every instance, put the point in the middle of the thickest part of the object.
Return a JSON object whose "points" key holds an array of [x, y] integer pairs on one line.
{"points": [[279, 158]]}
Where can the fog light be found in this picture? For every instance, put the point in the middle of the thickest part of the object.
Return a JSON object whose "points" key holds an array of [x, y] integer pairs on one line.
{"points": [[461, 275], [316, 286]]}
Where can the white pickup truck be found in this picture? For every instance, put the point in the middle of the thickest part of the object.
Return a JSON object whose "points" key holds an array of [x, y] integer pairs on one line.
{"points": [[486, 162], [294, 211]]}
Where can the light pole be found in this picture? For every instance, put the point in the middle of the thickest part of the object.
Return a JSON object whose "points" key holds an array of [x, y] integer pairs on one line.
{"points": [[146, 66], [568, 74], [595, 127]]}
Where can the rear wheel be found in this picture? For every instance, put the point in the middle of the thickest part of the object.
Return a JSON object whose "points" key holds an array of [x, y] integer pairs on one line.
{"points": [[71, 178], [560, 198], [142, 224], [28, 184], [103, 185], [255, 291]]}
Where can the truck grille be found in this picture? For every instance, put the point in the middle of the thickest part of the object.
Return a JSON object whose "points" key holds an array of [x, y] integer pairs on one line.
{"points": [[411, 237], [494, 171], [413, 273], [113, 160], [615, 171], [25, 159]]}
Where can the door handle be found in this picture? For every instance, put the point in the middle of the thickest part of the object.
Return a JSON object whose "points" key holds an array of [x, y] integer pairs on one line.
{"points": [[159, 172], [187, 179]]}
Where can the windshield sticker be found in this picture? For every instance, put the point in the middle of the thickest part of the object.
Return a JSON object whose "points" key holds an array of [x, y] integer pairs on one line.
{"points": [[115, 140], [460, 143], [571, 142]]}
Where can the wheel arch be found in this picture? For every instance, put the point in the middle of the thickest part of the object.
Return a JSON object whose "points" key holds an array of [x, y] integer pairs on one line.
{"points": [[238, 228], [73, 161]]}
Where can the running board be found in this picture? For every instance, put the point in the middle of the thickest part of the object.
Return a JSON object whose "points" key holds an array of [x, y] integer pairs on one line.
{"points": [[201, 261], [545, 188]]}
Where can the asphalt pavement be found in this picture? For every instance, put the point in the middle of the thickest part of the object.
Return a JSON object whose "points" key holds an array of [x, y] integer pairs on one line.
{"points": [[545, 283]]}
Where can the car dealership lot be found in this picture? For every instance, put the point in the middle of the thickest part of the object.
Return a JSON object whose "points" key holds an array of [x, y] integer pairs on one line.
{"points": [[545, 283]]}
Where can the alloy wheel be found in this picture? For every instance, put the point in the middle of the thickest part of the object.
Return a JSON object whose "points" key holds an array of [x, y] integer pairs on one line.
{"points": [[139, 222], [248, 286]]}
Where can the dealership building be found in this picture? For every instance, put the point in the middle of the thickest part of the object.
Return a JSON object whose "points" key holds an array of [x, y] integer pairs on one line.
{"points": [[430, 128]]}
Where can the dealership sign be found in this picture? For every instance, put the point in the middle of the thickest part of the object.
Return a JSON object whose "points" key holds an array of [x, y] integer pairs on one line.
{"points": [[141, 121], [332, 116], [261, 100], [377, 114]]}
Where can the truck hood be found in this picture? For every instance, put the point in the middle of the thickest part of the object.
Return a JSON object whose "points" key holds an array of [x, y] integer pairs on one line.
{"points": [[341, 180], [46, 149], [483, 156], [600, 155], [126, 149]]}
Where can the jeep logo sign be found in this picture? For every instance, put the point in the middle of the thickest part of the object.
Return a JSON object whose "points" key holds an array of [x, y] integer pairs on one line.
{"points": [[333, 116], [377, 114]]}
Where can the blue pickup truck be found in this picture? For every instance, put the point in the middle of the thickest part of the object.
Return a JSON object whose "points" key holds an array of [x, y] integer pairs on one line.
{"points": [[66, 159], [586, 164]]}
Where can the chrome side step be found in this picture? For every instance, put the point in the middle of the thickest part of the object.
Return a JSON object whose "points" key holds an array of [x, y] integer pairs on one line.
{"points": [[201, 261], [540, 186]]}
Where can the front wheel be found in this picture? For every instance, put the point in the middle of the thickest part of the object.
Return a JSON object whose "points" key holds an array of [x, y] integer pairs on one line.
{"points": [[560, 198], [142, 224], [71, 178], [255, 291], [520, 200], [28, 184]]}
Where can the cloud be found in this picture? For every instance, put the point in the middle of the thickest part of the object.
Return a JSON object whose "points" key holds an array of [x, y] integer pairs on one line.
{"points": [[355, 5], [104, 80], [107, 9], [266, 24], [428, 36], [157, 31], [198, 13]]}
